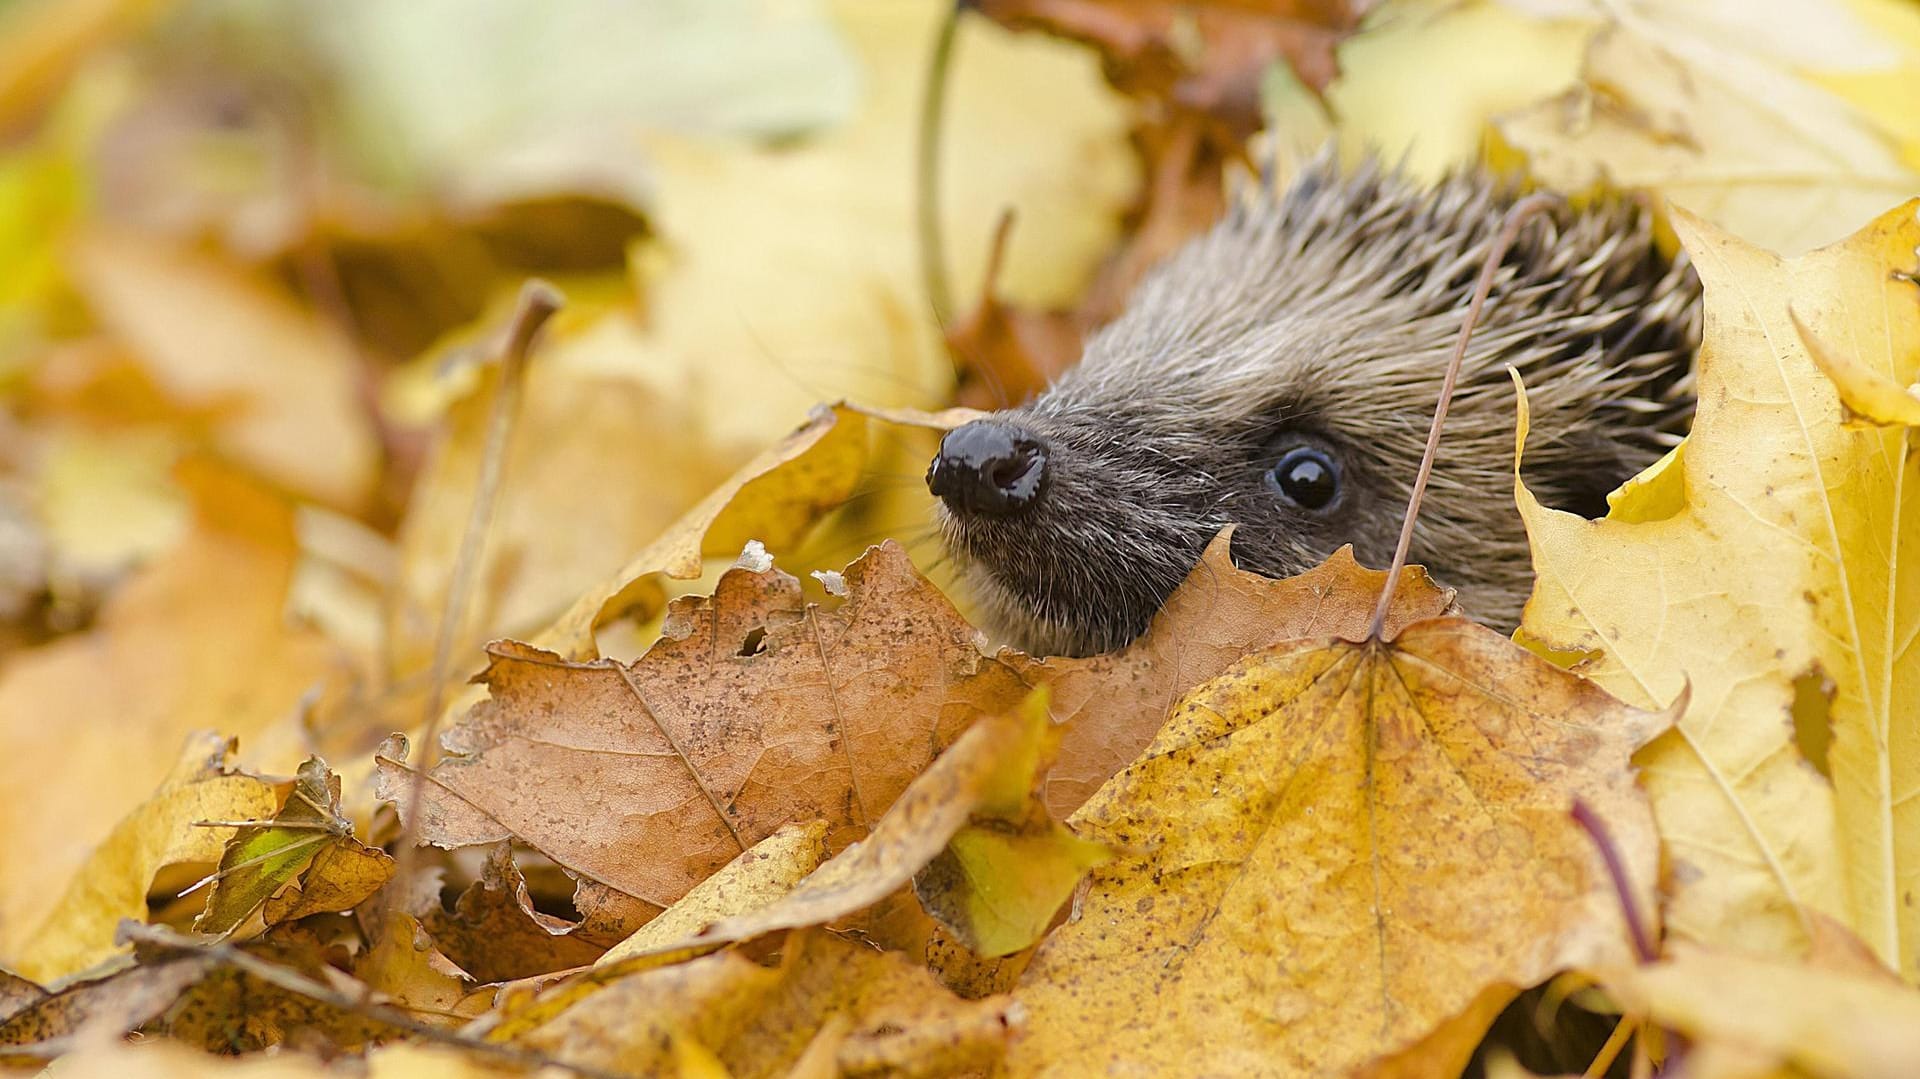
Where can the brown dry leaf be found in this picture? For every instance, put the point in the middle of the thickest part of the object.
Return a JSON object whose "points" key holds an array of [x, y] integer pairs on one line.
{"points": [[17, 993], [1341, 850], [1779, 1017], [494, 933], [760, 1022], [758, 877], [1006, 353], [232, 1011], [774, 499], [1206, 57], [753, 710], [1198, 67], [970, 775], [1765, 565], [987, 772], [164, 830], [278, 385], [195, 638], [119, 1002], [1113, 704]]}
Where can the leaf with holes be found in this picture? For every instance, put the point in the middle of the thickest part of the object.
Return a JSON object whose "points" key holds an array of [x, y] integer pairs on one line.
{"points": [[1767, 564], [755, 709]]}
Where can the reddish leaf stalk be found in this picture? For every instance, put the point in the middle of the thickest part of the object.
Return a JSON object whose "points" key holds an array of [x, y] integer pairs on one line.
{"points": [[1522, 212], [1596, 829]]}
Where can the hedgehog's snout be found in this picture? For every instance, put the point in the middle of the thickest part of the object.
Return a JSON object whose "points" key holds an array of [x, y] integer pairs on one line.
{"points": [[989, 467]]}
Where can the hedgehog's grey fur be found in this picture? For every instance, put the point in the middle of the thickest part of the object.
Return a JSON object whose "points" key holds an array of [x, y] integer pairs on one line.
{"points": [[1326, 313]]}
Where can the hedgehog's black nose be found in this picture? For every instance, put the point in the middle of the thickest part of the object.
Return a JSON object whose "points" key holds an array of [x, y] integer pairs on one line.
{"points": [[989, 467]]}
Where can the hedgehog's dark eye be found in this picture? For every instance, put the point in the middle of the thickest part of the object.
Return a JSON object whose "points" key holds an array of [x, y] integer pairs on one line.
{"points": [[1305, 477]]}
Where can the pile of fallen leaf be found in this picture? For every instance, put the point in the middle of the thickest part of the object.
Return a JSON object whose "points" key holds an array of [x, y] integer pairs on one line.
{"points": [[408, 671]]}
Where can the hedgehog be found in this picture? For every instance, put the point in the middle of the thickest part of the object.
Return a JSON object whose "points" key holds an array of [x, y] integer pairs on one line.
{"points": [[1278, 374]]}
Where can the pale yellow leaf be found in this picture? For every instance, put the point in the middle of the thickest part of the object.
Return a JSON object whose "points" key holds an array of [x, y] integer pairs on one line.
{"points": [[1775, 561]]}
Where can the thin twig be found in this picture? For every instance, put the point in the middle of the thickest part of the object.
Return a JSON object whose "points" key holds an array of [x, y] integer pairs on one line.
{"points": [[933, 105], [167, 940], [538, 302], [1517, 217], [1603, 1060], [1596, 829]]}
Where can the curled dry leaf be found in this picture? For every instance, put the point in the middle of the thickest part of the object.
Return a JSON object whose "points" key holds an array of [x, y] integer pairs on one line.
{"points": [[759, 1022], [1113, 704], [989, 771], [163, 830], [1005, 873], [263, 859], [495, 934], [1339, 852], [753, 710], [407, 968], [345, 873], [756, 878], [17, 993], [1769, 554], [983, 780], [119, 1002], [774, 498]]}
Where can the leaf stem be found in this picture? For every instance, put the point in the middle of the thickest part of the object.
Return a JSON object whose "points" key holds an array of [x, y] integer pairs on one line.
{"points": [[163, 939], [1517, 217], [1596, 829], [933, 106], [538, 302]]}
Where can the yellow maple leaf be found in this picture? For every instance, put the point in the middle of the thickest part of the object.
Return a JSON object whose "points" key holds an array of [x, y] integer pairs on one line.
{"points": [[1342, 855], [1770, 554]]}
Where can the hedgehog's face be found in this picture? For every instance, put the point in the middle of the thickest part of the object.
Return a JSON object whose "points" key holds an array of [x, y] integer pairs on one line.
{"points": [[1075, 518]]}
